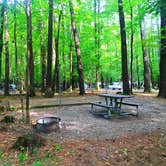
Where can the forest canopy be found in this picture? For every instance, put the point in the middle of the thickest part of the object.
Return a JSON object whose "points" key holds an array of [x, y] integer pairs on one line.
{"points": [[98, 29]]}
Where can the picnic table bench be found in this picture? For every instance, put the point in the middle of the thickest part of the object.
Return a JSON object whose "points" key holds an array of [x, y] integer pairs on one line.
{"points": [[113, 103], [100, 104], [132, 104]]}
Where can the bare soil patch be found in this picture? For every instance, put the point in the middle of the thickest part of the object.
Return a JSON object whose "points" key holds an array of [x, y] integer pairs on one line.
{"points": [[89, 140]]}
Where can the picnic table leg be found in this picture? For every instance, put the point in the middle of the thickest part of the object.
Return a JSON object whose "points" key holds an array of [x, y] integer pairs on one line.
{"points": [[91, 108], [137, 111], [111, 103], [109, 112], [106, 100]]}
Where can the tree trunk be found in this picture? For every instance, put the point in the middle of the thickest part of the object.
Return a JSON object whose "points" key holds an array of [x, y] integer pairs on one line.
{"points": [[43, 60], [78, 53], [29, 55], [49, 46], [43, 54], [137, 71], [131, 47], [71, 61], [65, 82], [1, 35], [125, 76], [56, 80], [15, 41], [97, 39], [6, 50], [147, 81], [30, 48], [162, 83]]}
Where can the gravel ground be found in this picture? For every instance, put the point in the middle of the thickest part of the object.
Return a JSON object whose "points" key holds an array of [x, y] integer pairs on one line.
{"points": [[78, 122]]}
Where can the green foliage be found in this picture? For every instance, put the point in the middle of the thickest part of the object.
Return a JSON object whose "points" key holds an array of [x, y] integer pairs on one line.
{"points": [[7, 164], [1, 155], [37, 163], [58, 147], [109, 37], [22, 157], [125, 151]]}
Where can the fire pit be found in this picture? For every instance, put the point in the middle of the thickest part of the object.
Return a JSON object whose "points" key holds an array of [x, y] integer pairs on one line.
{"points": [[48, 124]]}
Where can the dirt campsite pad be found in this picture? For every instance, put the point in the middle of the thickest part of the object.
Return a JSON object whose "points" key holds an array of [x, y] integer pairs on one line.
{"points": [[85, 139]]}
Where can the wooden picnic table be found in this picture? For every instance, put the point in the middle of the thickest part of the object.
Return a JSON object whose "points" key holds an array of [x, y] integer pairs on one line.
{"points": [[112, 103], [114, 100]]}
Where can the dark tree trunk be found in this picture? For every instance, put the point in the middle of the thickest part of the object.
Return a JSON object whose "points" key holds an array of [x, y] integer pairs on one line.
{"points": [[1, 35], [30, 48], [125, 77], [49, 46], [71, 61], [6, 50], [29, 59], [65, 82], [56, 80], [162, 84], [15, 41], [78, 53], [102, 81], [43, 60], [137, 71], [97, 39], [131, 47], [147, 80], [43, 54]]}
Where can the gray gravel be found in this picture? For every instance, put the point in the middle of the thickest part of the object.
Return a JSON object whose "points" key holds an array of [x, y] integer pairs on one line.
{"points": [[78, 122]]}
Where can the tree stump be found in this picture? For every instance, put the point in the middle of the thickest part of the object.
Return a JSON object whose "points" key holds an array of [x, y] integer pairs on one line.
{"points": [[8, 119], [29, 142]]}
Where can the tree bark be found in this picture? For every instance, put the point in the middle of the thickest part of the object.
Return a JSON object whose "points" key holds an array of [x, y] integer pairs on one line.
{"points": [[1, 36], [125, 76], [97, 39], [30, 48], [147, 77], [65, 82], [43, 54], [131, 47], [78, 53], [56, 80], [49, 46], [15, 40], [29, 54], [71, 61], [43, 60], [137, 71], [6, 49], [162, 83]]}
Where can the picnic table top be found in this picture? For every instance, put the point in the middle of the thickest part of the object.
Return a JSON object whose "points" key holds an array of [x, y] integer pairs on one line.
{"points": [[114, 95]]}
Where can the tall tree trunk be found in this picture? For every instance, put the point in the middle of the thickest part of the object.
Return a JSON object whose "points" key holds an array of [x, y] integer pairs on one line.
{"points": [[57, 67], [147, 80], [29, 59], [125, 76], [71, 61], [137, 71], [97, 39], [65, 82], [43, 59], [49, 47], [30, 48], [162, 84], [15, 41], [43, 53], [131, 47], [6, 49], [78, 53], [1, 35]]}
